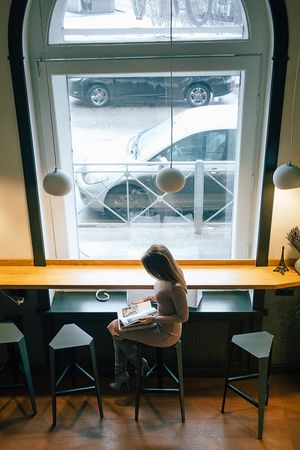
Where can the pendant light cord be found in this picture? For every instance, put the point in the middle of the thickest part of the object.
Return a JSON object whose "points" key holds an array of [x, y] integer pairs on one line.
{"points": [[48, 86], [171, 80], [293, 108]]}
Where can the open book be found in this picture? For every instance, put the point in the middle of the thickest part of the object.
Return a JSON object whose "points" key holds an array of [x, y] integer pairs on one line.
{"points": [[130, 315]]}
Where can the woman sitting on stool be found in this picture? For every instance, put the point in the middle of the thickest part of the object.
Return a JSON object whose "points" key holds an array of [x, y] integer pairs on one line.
{"points": [[170, 295]]}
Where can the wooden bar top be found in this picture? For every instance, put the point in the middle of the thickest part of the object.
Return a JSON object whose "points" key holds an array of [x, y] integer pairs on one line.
{"points": [[64, 276]]}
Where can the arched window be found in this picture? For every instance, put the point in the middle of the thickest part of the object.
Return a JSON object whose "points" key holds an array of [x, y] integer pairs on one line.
{"points": [[100, 73]]}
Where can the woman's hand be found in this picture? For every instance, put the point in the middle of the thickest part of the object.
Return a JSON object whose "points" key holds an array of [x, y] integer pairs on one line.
{"points": [[150, 298], [134, 302], [146, 320]]}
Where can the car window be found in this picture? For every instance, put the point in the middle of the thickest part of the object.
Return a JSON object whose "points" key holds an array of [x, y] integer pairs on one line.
{"points": [[208, 146], [216, 146]]}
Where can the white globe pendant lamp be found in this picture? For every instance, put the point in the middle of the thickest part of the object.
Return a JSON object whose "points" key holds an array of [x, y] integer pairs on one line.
{"points": [[57, 183], [170, 179], [287, 176]]}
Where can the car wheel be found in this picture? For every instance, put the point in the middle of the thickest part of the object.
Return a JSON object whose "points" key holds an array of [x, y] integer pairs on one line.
{"points": [[198, 95], [97, 96], [116, 200]]}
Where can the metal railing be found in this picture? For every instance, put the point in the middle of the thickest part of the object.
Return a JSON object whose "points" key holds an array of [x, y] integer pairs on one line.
{"points": [[127, 191]]}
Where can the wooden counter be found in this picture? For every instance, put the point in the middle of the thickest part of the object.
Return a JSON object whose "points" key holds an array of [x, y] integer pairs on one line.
{"points": [[65, 276]]}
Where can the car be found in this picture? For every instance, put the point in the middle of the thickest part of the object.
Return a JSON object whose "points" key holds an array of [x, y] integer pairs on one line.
{"points": [[194, 90], [126, 188]]}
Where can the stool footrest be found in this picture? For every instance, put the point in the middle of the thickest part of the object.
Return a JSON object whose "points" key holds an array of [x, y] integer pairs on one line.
{"points": [[79, 389], [249, 376], [243, 394], [64, 372], [151, 372], [171, 374], [82, 370], [165, 389], [60, 378]]}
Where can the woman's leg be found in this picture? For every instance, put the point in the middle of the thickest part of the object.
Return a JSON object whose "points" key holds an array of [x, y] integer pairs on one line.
{"points": [[121, 374], [120, 357], [130, 350]]}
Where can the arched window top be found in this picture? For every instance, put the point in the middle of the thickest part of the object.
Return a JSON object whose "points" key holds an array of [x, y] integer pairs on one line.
{"points": [[120, 21]]}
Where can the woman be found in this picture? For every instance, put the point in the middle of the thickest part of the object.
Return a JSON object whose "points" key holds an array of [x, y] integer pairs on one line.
{"points": [[170, 295]]}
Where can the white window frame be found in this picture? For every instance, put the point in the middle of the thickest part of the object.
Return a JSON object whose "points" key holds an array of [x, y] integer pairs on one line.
{"points": [[248, 56]]}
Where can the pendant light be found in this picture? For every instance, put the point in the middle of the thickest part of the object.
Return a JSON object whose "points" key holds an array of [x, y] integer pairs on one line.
{"points": [[56, 182], [170, 179], [287, 176]]}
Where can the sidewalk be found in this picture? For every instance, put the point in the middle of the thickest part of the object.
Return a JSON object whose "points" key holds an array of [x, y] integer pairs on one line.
{"points": [[118, 241]]}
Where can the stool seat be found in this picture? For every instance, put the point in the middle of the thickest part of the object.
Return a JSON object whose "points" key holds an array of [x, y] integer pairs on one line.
{"points": [[159, 368], [10, 334], [259, 345], [70, 337]]}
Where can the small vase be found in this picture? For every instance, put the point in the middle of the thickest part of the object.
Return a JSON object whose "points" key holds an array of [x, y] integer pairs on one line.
{"points": [[297, 265]]}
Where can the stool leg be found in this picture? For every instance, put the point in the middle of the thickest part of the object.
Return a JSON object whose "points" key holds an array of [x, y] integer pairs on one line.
{"points": [[227, 376], [12, 354], [24, 356], [72, 371], [138, 380], [53, 384], [262, 393], [97, 384], [180, 377], [160, 363]]}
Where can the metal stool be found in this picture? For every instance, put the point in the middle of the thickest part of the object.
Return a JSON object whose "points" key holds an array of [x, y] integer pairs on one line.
{"points": [[69, 337], [10, 334], [258, 345], [158, 368]]}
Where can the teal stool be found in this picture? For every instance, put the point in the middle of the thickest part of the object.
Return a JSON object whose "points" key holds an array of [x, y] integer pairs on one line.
{"points": [[69, 337], [258, 345], [10, 334], [158, 369]]}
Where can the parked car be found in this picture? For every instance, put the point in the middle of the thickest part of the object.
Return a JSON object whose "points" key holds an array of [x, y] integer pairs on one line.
{"points": [[195, 90], [207, 134]]}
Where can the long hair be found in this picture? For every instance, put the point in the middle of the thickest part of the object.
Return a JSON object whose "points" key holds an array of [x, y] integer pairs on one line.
{"points": [[159, 262]]}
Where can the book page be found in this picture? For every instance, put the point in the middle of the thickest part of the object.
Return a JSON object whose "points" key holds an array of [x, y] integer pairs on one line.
{"points": [[133, 313]]}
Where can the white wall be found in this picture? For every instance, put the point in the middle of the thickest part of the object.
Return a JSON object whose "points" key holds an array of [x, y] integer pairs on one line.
{"points": [[286, 212], [15, 241]]}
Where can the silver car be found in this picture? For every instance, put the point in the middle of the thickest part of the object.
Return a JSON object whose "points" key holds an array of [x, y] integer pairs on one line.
{"points": [[126, 188]]}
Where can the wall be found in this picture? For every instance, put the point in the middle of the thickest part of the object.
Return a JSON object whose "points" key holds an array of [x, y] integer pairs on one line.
{"points": [[283, 319], [286, 211], [15, 240]]}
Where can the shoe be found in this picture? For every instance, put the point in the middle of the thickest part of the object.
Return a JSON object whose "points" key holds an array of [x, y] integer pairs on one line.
{"points": [[119, 381]]}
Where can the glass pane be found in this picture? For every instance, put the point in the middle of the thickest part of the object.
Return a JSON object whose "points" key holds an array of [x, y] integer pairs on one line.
{"points": [[147, 21], [121, 137]]}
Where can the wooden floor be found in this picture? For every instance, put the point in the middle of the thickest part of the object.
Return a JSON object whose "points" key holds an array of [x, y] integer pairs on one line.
{"points": [[159, 426]]}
